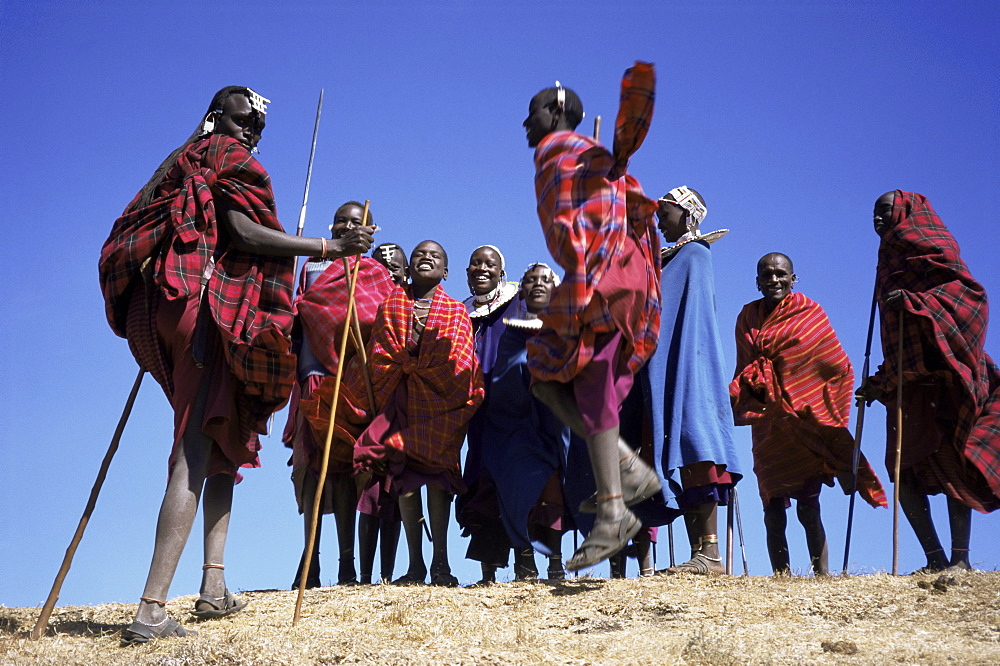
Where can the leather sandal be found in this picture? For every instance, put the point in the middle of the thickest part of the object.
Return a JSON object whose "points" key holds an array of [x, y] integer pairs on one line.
{"points": [[139, 632], [698, 564], [217, 607], [639, 481], [604, 540]]}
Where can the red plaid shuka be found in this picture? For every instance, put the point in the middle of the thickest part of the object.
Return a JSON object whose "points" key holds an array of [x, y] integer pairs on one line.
{"points": [[249, 295], [322, 307], [444, 386], [321, 311], [943, 335], [601, 231], [794, 384]]}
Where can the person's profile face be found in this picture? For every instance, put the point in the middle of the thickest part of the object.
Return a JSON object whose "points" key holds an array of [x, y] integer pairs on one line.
{"points": [[239, 121], [882, 215], [396, 265], [541, 120], [774, 279], [536, 288], [670, 221], [427, 263], [483, 272], [346, 218]]}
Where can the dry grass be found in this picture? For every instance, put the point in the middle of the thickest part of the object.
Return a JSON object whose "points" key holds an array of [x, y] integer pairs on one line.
{"points": [[684, 620]]}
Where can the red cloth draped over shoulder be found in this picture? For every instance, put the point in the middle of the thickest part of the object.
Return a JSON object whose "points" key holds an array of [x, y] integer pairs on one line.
{"points": [[600, 229], [249, 295], [790, 366], [322, 308], [947, 311], [444, 386]]}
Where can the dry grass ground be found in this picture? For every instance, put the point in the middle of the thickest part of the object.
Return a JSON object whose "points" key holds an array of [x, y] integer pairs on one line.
{"points": [[920, 619]]}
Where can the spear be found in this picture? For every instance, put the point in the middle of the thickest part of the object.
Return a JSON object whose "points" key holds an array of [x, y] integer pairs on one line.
{"points": [[43, 618], [858, 428], [309, 173], [899, 449]]}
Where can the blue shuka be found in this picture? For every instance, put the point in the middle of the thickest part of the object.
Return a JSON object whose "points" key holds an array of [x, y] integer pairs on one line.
{"points": [[685, 384]]}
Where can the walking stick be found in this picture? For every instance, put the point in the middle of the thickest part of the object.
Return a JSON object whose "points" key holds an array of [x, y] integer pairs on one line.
{"points": [[355, 326], [858, 429], [739, 529], [730, 510], [597, 128], [43, 618], [329, 440], [899, 449]]}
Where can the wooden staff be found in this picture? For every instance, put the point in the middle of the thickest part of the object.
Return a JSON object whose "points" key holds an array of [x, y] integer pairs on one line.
{"points": [[309, 173], [858, 429], [899, 449], [735, 499], [597, 128], [670, 539], [355, 326], [43, 618], [329, 440]]}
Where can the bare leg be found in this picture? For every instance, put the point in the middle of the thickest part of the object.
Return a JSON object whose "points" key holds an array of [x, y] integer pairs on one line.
{"points": [[917, 510], [644, 554], [559, 397], [439, 514], [216, 510], [809, 516], [960, 521], [701, 523], [409, 509], [775, 522], [389, 532], [368, 533], [177, 512], [309, 487], [553, 539], [345, 508], [524, 564]]}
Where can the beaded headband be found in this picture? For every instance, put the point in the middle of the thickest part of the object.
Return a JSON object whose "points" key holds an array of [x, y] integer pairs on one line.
{"points": [[684, 197]]}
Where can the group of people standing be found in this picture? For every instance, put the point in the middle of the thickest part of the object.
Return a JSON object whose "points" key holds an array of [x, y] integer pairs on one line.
{"points": [[595, 399]]}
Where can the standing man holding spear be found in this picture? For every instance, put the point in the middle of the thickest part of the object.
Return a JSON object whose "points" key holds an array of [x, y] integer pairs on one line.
{"points": [[937, 381], [197, 275]]}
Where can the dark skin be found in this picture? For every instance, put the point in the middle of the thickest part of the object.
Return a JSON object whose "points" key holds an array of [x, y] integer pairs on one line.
{"points": [[775, 277], [428, 267], [483, 272], [536, 289], [396, 265], [544, 118], [188, 472], [916, 505]]}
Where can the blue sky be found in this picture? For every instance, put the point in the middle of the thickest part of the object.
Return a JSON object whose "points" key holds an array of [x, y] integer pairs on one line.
{"points": [[790, 117]]}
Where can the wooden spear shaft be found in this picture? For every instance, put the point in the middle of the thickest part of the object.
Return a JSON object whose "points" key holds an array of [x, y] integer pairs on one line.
{"points": [[329, 440], [899, 450], [43, 618]]}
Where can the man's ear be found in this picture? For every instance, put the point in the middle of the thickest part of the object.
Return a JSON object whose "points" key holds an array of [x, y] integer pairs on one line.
{"points": [[445, 273]]}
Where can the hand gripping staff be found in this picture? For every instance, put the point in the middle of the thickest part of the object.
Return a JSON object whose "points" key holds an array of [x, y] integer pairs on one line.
{"points": [[348, 329], [858, 429], [50, 602]]}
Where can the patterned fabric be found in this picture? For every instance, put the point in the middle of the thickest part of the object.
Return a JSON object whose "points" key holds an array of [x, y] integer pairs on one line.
{"points": [[795, 384], [602, 234], [635, 112], [443, 382], [944, 330], [322, 307], [249, 296]]}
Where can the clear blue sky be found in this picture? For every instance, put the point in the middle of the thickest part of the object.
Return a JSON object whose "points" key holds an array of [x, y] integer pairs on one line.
{"points": [[791, 117]]}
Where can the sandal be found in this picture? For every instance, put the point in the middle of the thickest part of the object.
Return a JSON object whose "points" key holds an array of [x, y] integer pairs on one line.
{"points": [[639, 482], [229, 605], [605, 539], [139, 632], [698, 564]]}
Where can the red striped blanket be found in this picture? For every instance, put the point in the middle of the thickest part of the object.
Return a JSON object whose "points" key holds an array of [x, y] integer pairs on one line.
{"points": [[790, 368]]}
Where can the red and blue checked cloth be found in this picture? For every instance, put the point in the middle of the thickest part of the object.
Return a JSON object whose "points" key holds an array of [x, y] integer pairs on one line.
{"points": [[249, 295], [602, 233], [444, 385], [321, 308], [947, 310], [791, 368]]}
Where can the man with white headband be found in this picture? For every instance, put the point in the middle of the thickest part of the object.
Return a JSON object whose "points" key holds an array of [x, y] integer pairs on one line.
{"points": [[201, 235]]}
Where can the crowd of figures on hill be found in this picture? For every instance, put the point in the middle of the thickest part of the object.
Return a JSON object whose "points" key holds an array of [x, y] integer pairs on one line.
{"points": [[593, 393]]}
